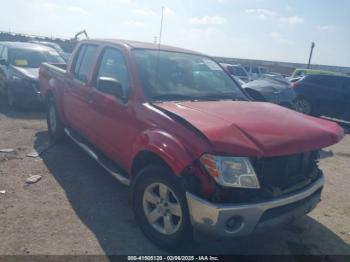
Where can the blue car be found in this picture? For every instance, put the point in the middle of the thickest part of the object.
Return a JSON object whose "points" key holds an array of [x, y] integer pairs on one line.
{"points": [[327, 95]]}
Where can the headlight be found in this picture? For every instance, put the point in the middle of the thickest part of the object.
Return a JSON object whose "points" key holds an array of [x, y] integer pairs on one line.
{"points": [[16, 77], [231, 171]]}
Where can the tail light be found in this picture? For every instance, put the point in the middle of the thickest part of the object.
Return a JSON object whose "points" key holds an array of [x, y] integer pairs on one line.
{"points": [[295, 84]]}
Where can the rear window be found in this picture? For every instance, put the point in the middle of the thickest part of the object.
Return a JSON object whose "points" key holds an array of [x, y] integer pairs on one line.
{"points": [[84, 63]]}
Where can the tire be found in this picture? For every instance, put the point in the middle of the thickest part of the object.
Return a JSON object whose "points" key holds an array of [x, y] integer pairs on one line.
{"points": [[54, 123], [158, 196], [303, 105]]}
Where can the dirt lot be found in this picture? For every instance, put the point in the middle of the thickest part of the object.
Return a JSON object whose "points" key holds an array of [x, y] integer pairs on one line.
{"points": [[78, 208]]}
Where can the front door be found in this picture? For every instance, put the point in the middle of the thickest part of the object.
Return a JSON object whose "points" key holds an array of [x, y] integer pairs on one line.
{"points": [[114, 122]]}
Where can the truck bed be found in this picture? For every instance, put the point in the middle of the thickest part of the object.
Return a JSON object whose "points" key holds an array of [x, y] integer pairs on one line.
{"points": [[56, 68], [51, 77]]}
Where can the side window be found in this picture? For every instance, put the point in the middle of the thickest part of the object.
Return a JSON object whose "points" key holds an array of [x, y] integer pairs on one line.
{"points": [[113, 65], [78, 60], [1, 48], [84, 63]]}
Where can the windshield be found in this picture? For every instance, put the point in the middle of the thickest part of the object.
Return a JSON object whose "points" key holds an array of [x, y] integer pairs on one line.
{"points": [[237, 71], [52, 45], [179, 76], [33, 58]]}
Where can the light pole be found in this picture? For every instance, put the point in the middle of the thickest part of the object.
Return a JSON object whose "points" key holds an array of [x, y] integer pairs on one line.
{"points": [[312, 48]]}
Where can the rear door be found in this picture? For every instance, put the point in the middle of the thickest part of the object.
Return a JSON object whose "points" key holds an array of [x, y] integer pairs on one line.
{"points": [[331, 94], [77, 97], [319, 89]]}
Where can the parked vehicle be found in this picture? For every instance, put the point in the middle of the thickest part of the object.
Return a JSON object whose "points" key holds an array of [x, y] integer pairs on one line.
{"points": [[257, 72], [175, 126], [237, 71], [55, 46], [19, 69], [327, 95], [271, 90], [300, 72]]}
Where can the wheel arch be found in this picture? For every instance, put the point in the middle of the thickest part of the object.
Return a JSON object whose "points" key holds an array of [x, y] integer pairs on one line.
{"points": [[156, 146], [145, 158]]}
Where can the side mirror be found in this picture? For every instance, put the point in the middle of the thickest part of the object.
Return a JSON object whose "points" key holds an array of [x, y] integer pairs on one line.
{"points": [[3, 62], [110, 86]]}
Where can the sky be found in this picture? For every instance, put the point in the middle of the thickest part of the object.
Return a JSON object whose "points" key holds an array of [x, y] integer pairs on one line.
{"points": [[257, 29]]}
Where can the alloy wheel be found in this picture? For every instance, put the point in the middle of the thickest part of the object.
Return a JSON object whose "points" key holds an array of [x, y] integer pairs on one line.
{"points": [[162, 208], [302, 106]]}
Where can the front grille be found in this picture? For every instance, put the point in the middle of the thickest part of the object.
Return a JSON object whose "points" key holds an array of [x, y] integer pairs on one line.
{"points": [[277, 176], [284, 172]]}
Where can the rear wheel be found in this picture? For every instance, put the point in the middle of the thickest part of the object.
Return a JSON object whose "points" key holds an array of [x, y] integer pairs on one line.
{"points": [[54, 123], [303, 105], [160, 208]]}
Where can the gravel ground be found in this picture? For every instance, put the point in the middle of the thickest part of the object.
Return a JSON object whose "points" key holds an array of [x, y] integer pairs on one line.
{"points": [[77, 208]]}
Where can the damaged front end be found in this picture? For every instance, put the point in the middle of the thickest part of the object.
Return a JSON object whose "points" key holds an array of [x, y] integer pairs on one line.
{"points": [[290, 186]]}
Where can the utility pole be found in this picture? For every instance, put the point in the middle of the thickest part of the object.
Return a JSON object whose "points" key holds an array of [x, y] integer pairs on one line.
{"points": [[311, 50]]}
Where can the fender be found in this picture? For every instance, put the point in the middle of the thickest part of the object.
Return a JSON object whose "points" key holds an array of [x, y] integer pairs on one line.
{"points": [[166, 146], [51, 86]]}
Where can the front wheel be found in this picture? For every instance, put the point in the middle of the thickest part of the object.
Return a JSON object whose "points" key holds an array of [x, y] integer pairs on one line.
{"points": [[160, 208], [54, 123], [303, 105]]}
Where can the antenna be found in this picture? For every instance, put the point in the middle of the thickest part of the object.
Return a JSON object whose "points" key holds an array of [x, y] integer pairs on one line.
{"points": [[161, 29], [159, 41]]}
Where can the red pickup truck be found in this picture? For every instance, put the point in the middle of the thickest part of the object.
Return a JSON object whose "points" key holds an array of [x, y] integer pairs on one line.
{"points": [[176, 127]]}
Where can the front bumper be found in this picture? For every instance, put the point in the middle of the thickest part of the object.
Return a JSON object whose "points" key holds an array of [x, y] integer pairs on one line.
{"points": [[237, 220]]}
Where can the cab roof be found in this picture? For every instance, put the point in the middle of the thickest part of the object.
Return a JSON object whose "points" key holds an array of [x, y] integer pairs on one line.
{"points": [[142, 45]]}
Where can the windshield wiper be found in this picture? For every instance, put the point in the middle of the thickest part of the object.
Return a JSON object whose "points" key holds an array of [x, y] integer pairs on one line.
{"points": [[171, 97], [215, 97], [209, 97]]}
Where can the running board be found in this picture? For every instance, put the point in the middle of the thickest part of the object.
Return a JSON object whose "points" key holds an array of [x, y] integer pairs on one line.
{"points": [[104, 162]]}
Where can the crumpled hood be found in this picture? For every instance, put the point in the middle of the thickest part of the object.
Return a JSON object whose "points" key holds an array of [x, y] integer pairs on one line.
{"points": [[255, 129], [32, 73]]}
